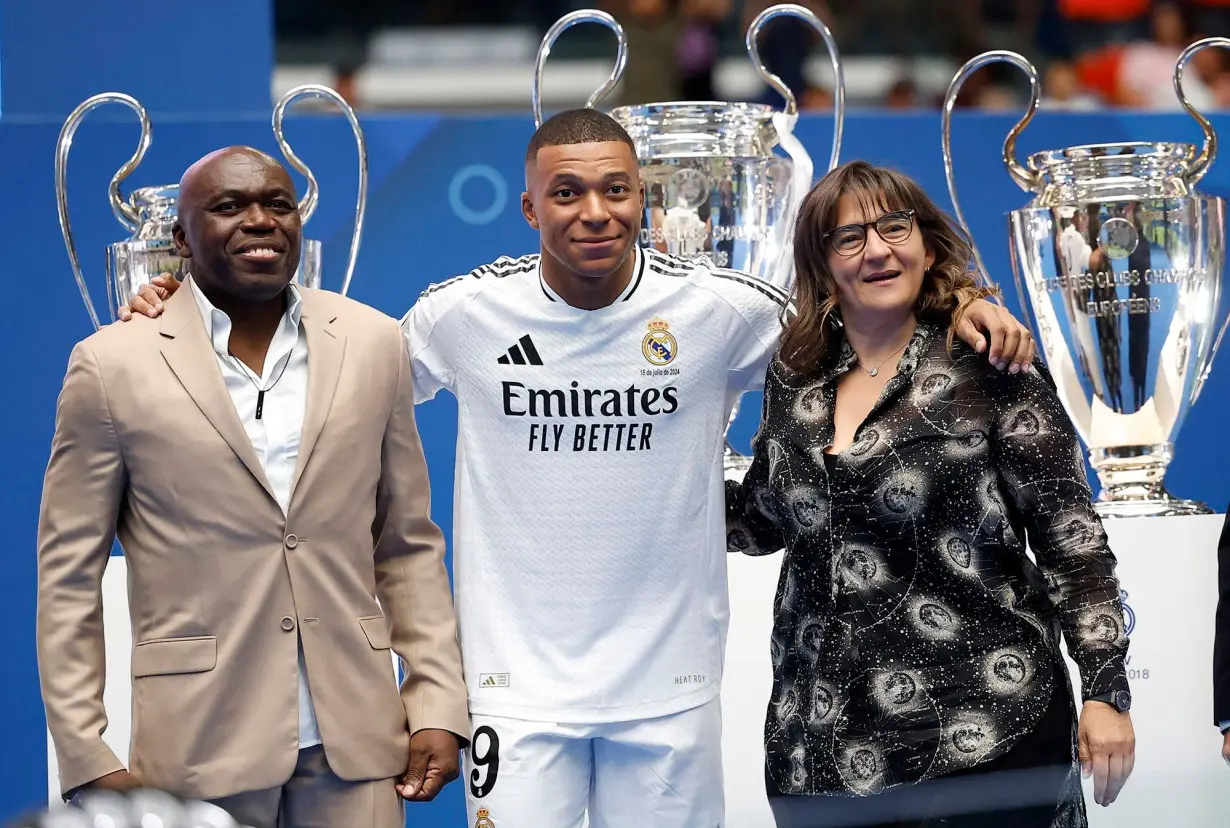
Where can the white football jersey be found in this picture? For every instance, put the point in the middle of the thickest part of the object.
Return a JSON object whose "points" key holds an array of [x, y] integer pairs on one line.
{"points": [[588, 529]]}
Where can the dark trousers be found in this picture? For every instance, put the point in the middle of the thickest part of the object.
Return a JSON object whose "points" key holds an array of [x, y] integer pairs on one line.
{"points": [[1024, 788]]}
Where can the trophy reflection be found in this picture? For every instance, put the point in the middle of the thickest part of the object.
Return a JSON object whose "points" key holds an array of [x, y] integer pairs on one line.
{"points": [[715, 187], [149, 213], [1120, 261]]}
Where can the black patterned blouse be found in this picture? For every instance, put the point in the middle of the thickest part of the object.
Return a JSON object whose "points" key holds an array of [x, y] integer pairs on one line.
{"points": [[912, 635]]}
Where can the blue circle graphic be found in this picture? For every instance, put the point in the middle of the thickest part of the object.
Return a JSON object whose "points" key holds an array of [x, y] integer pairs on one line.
{"points": [[498, 201]]}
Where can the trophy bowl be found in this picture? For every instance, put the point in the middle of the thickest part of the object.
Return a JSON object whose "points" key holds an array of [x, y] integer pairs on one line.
{"points": [[714, 186], [149, 213], [1119, 260], [133, 263]]}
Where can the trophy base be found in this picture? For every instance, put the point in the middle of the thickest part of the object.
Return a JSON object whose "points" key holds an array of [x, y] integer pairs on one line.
{"points": [[1132, 485], [1166, 506]]}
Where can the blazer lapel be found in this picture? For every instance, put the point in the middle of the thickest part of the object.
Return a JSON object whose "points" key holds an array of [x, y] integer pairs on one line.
{"points": [[326, 346], [190, 354]]}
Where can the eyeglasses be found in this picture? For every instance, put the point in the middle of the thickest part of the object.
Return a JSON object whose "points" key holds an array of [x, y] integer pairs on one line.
{"points": [[850, 239]]}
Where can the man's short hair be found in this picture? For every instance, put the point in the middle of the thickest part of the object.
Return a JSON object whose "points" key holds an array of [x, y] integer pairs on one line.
{"points": [[577, 126]]}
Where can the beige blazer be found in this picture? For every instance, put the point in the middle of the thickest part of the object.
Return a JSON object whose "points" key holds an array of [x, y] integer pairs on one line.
{"points": [[221, 585]]}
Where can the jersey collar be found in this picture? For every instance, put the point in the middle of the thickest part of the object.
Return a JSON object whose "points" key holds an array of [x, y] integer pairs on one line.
{"points": [[638, 274]]}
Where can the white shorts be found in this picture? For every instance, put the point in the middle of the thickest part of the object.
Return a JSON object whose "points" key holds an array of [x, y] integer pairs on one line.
{"points": [[648, 773]]}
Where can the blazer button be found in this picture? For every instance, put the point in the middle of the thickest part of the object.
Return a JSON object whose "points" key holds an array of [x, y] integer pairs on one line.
{"points": [[288, 623], [291, 541]]}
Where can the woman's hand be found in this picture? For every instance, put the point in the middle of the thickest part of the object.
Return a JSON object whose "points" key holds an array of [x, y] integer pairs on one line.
{"points": [[1107, 749]]}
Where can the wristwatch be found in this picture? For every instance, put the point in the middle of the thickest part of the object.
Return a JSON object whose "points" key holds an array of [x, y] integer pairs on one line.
{"points": [[1121, 700]]}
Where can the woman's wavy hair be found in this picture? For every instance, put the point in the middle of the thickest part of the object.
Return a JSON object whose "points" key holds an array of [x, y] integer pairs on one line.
{"points": [[949, 286]]}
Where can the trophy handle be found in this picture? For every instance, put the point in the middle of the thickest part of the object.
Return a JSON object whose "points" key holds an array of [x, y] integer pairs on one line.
{"points": [[1218, 220], [1208, 153], [1027, 180], [839, 81], [307, 205], [126, 213], [544, 51]]}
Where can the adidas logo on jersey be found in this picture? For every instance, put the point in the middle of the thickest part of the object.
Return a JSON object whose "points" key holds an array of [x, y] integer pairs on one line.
{"points": [[522, 353], [493, 680]]}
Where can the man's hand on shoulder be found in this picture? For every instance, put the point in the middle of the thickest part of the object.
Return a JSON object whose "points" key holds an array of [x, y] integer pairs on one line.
{"points": [[1012, 345], [149, 299], [434, 762]]}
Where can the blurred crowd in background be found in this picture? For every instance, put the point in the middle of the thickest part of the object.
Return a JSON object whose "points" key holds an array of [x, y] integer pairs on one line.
{"points": [[901, 54]]}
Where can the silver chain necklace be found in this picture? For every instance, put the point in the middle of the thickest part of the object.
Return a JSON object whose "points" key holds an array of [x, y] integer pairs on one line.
{"points": [[876, 370]]}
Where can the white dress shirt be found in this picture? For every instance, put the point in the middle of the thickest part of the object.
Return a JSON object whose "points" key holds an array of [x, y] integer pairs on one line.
{"points": [[275, 436]]}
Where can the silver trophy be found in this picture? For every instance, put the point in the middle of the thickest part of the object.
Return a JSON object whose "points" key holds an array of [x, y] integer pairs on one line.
{"points": [[714, 185], [150, 212], [1119, 259]]}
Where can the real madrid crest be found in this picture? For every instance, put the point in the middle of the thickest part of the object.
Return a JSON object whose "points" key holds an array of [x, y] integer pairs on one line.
{"points": [[659, 345], [483, 820]]}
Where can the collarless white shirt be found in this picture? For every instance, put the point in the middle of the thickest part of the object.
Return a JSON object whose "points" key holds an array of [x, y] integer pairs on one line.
{"points": [[275, 436]]}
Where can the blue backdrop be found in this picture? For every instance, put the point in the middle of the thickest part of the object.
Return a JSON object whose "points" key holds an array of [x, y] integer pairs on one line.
{"points": [[444, 199]]}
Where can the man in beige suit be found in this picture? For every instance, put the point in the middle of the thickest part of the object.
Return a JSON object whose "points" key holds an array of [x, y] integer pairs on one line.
{"points": [[256, 453]]}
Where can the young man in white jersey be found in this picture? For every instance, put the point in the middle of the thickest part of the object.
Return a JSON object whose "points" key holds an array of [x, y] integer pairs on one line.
{"points": [[594, 381]]}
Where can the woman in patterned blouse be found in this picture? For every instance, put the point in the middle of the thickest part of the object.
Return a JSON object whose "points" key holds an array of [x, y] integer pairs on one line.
{"points": [[916, 647]]}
